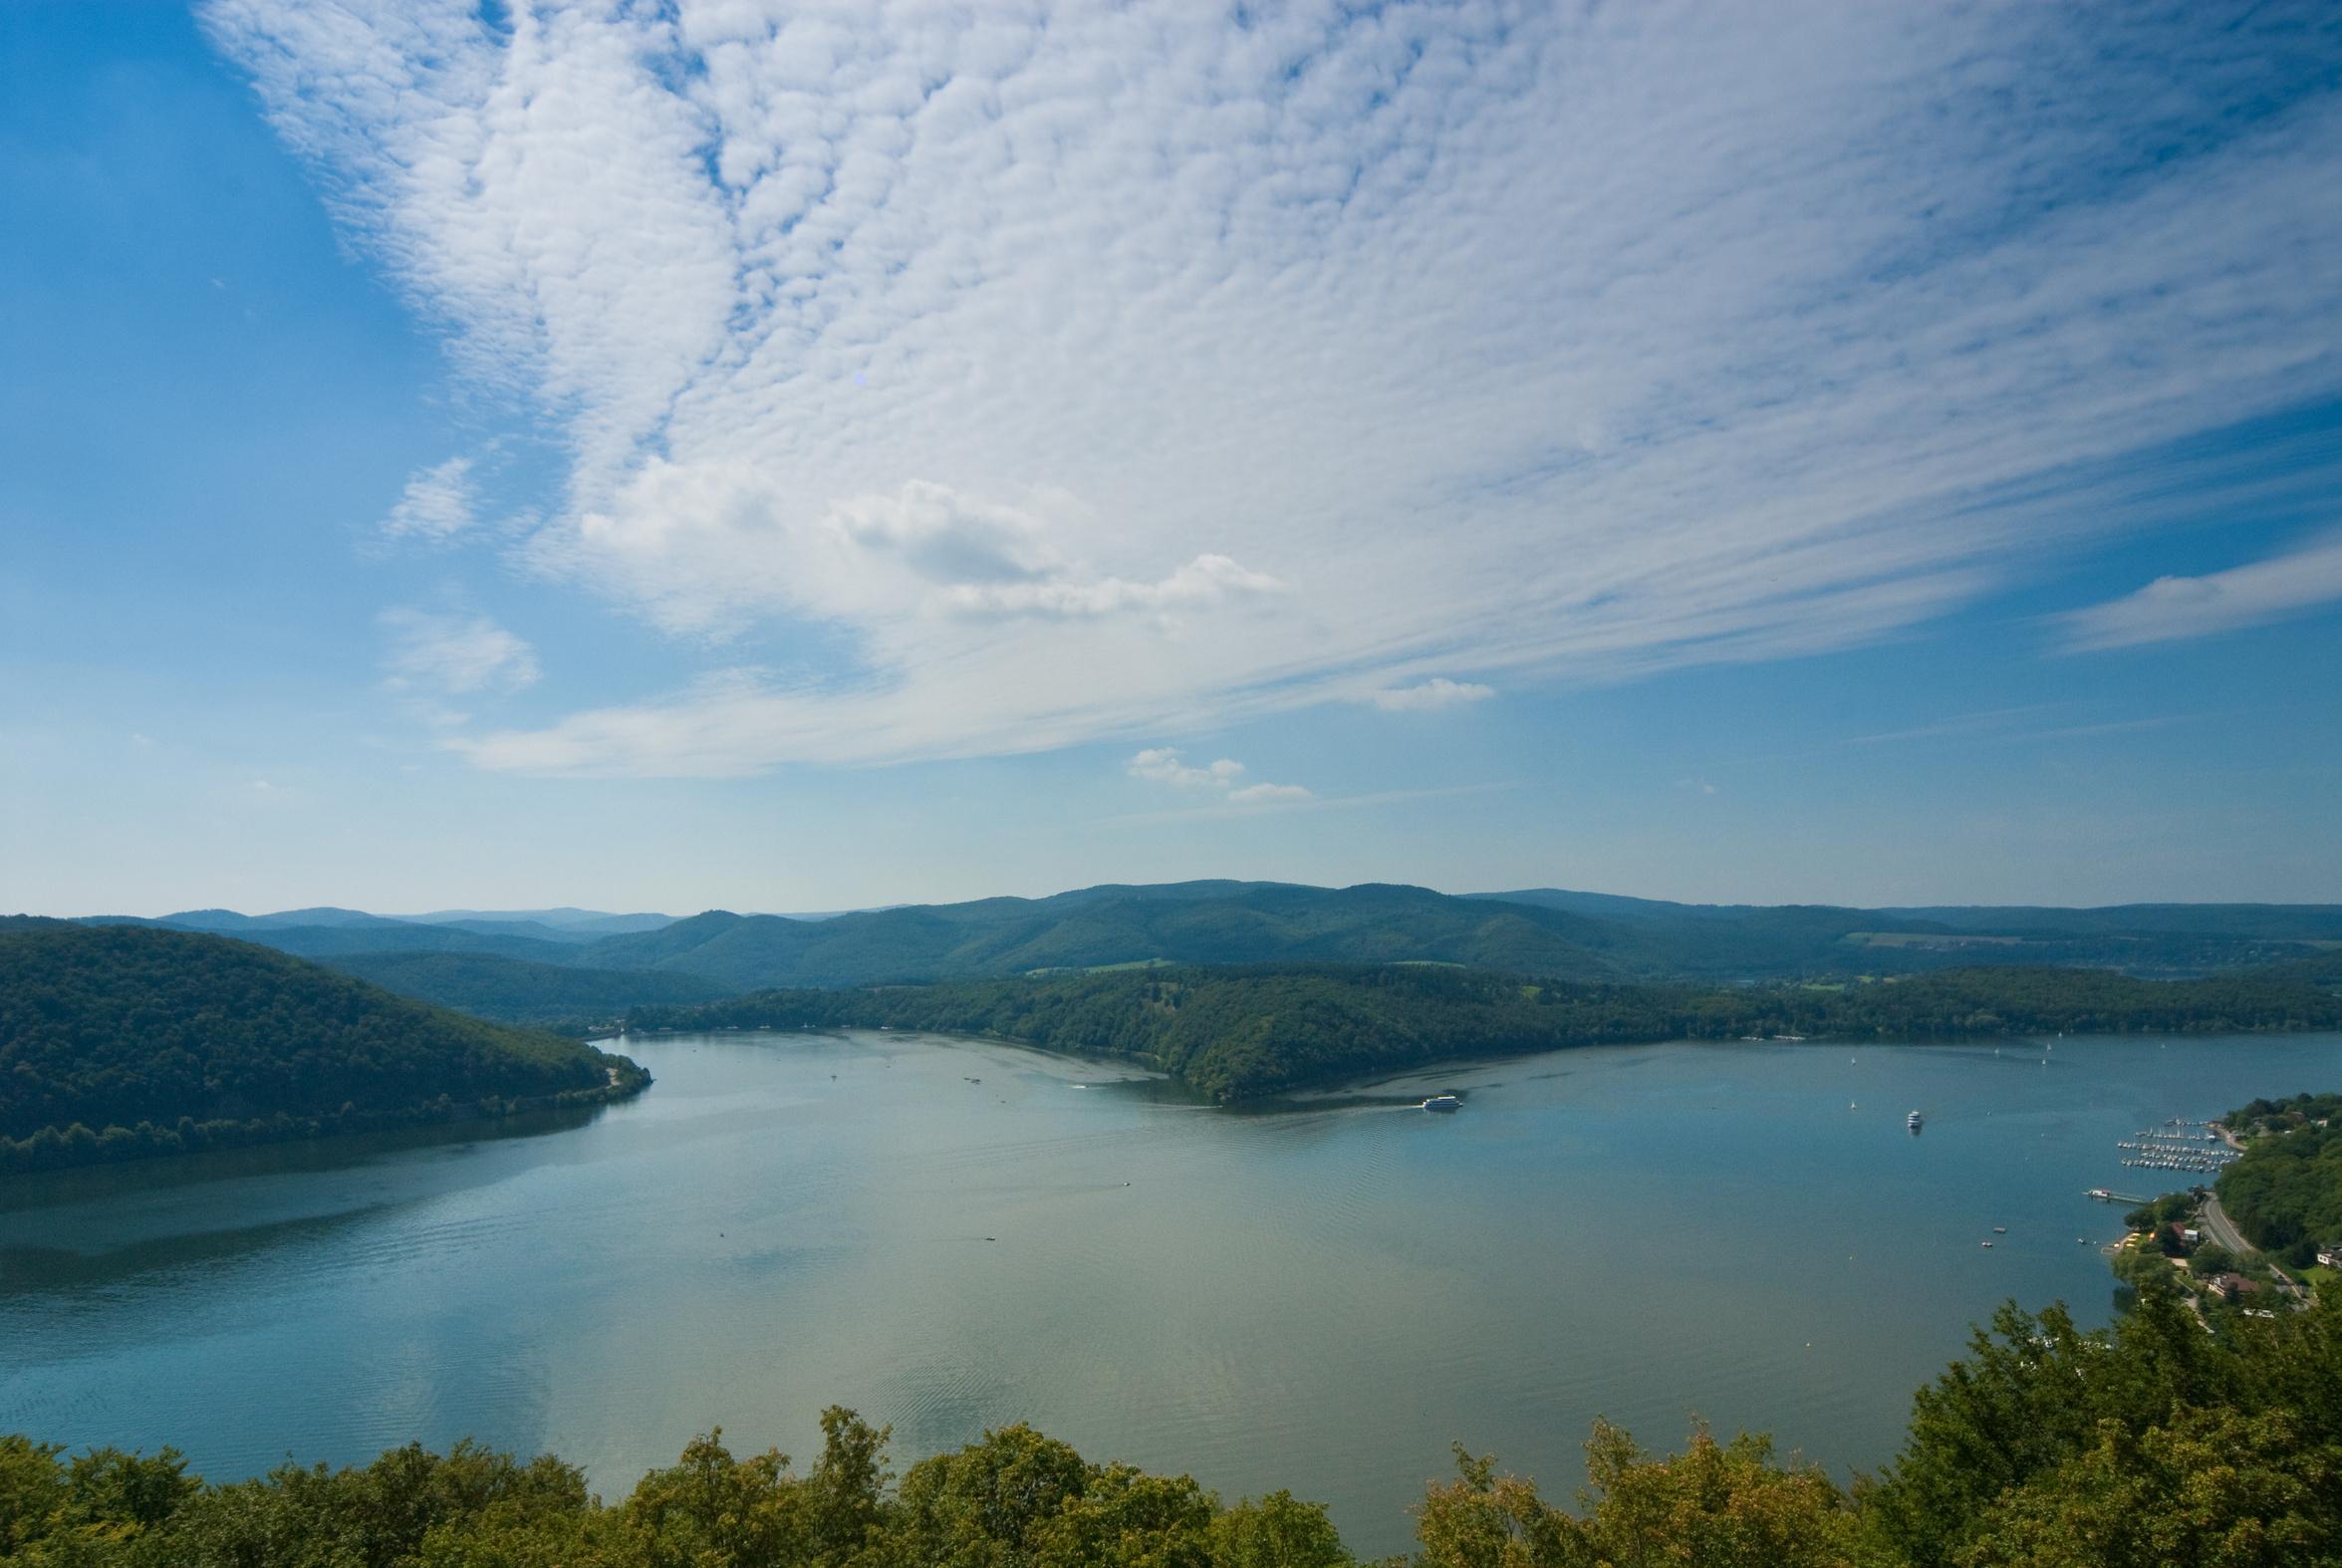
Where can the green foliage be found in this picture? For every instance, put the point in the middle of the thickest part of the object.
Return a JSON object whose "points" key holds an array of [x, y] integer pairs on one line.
{"points": [[1277, 1531], [2212, 1259], [512, 990], [1241, 1033], [117, 1043], [2283, 1113], [1719, 1503], [2047, 1445], [2287, 1188], [2212, 1488]]}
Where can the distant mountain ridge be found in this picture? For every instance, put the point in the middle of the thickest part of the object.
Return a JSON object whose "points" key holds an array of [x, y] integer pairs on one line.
{"points": [[500, 964]]}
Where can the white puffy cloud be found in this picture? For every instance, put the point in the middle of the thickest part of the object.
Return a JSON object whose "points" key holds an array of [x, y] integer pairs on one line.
{"points": [[437, 504], [1439, 692], [2171, 608], [453, 654], [1162, 765], [1097, 370]]}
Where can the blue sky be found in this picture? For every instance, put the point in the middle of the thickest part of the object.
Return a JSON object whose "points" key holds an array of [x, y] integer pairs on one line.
{"points": [[792, 458]]}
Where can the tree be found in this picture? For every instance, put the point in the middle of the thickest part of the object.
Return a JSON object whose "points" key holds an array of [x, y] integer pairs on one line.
{"points": [[1277, 1531], [1719, 1503], [986, 1506], [711, 1509], [2214, 1490], [1485, 1520]]}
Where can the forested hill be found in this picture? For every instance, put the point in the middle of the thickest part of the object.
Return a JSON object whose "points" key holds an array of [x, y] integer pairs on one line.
{"points": [[1544, 931], [1205, 923], [119, 1041], [2285, 1194], [1243, 1033], [513, 991]]}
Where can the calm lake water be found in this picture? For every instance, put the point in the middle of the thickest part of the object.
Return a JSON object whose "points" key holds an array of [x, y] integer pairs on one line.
{"points": [[1321, 1298]]}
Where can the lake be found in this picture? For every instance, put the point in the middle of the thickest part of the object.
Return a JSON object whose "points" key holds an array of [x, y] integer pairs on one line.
{"points": [[948, 1235]]}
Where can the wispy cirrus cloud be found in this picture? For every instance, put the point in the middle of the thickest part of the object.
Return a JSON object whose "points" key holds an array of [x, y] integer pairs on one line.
{"points": [[432, 655], [439, 504], [2174, 607], [1436, 693], [1093, 371]]}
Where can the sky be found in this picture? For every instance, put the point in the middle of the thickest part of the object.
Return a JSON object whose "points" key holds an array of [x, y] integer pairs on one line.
{"points": [[798, 456]]}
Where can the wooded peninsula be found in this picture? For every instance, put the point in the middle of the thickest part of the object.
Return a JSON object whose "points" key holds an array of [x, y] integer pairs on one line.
{"points": [[119, 1042], [1251, 1032]]}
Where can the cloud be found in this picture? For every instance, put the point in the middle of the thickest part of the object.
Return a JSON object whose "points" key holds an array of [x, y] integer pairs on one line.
{"points": [[707, 549], [453, 654], [1266, 794], [2017, 725], [1207, 579], [1161, 764], [2173, 608], [1079, 371], [1439, 692], [1164, 766], [437, 504]]}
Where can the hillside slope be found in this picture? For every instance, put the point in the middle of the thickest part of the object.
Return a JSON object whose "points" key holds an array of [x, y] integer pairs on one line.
{"points": [[1741, 941], [512, 990], [117, 1041], [1241, 1033], [1202, 923]]}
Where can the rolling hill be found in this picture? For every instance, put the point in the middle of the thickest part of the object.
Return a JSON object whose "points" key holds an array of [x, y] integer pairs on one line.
{"points": [[1197, 923], [513, 991], [117, 1041]]}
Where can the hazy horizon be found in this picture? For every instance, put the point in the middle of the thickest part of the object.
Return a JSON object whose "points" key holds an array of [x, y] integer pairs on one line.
{"points": [[514, 910]]}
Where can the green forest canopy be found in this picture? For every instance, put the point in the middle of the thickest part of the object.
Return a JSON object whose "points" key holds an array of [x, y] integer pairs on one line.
{"points": [[2285, 1192], [1240, 1033], [119, 1041], [517, 991], [2147, 1445]]}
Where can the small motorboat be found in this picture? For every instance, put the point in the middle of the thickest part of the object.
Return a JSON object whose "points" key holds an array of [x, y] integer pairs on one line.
{"points": [[1443, 1103]]}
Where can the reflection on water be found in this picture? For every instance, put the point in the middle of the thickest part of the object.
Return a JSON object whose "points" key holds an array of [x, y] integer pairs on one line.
{"points": [[950, 1235]]}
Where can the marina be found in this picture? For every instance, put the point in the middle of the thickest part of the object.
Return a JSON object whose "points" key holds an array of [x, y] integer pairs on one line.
{"points": [[2193, 1147]]}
